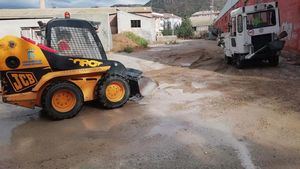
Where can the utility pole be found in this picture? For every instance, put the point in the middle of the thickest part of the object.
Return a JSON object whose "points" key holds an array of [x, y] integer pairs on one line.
{"points": [[212, 6]]}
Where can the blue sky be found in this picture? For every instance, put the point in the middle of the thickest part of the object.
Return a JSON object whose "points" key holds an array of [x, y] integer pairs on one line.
{"points": [[65, 3]]}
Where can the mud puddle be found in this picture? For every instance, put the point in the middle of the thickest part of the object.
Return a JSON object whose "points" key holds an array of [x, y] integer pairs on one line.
{"points": [[11, 117]]}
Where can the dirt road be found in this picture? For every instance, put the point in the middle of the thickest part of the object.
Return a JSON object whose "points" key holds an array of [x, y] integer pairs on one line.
{"points": [[201, 114]]}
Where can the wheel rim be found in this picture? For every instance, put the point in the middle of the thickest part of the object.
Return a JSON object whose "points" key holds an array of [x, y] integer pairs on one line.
{"points": [[115, 92], [63, 100]]}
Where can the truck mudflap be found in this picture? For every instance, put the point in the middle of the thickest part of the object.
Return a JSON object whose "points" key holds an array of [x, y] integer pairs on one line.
{"points": [[277, 45], [134, 76]]}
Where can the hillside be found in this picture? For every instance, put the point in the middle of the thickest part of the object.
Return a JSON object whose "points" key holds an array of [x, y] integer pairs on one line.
{"points": [[127, 5], [183, 7]]}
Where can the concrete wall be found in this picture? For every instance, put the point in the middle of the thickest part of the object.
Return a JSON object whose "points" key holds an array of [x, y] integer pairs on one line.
{"points": [[166, 39], [201, 21], [104, 32], [162, 23], [290, 22], [202, 28], [113, 23], [289, 18], [159, 25], [13, 27], [174, 22], [147, 29]]}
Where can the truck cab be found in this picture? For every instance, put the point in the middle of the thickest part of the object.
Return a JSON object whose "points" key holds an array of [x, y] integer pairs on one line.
{"points": [[253, 34]]}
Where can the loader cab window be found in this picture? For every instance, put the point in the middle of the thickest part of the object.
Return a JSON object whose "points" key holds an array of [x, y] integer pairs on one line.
{"points": [[240, 26], [261, 19], [75, 42]]}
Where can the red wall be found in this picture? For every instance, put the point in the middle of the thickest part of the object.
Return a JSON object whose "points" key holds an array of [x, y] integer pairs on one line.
{"points": [[289, 17], [290, 21]]}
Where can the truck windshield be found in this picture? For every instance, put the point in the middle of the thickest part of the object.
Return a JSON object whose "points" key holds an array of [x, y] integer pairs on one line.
{"points": [[261, 19]]}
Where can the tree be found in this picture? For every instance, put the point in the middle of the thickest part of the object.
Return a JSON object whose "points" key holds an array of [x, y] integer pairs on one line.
{"points": [[185, 30]]}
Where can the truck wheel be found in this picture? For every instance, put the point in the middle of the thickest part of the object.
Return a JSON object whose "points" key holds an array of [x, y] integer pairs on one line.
{"points": [[113, 92], [228, 60], [274, 61], [62, 100], [239, 62]]}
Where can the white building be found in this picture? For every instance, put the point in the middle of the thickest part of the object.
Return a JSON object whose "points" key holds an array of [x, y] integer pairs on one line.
{"points": [[141, 25], [144, 23], [166, 21], [202, 20], [15, 21]]}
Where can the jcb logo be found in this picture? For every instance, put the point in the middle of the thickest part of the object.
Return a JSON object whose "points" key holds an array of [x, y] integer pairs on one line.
{"points": [[86, 62], [21, 81]]}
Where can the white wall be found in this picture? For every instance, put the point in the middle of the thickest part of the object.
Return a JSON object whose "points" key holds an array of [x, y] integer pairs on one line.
{"points": [[175, 22], [159, 23], [146, 31], [104, 31], [13, 27], [201, 28]]}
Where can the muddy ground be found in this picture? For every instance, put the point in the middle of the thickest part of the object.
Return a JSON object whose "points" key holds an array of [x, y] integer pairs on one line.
{"points": [[199, 113]]}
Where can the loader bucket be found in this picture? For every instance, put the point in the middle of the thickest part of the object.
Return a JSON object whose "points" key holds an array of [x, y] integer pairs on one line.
{"points": [[140, 86], [133, 76]]}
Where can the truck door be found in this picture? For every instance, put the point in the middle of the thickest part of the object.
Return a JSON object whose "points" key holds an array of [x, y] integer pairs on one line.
{"points": [[233, 33], [240, 36]]}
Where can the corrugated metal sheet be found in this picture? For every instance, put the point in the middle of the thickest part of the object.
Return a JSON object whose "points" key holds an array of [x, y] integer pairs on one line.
{"points": [[229, 4]]}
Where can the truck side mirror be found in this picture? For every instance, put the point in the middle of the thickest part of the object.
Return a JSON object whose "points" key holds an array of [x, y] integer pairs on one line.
{"points": [[282, 35]]}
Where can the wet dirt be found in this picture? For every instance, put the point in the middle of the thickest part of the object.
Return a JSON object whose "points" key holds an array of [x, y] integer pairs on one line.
{"points": [[197, 113]]}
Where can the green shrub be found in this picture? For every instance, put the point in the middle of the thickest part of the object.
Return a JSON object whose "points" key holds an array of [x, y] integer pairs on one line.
{"points": [[167, 32], [185, 30], [128, 49], [137, 39]]}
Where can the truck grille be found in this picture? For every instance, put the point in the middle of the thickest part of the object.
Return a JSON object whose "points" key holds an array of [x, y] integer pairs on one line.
{"points": [[261, 40]]}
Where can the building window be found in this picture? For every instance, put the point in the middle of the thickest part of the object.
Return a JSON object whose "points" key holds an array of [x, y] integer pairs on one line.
{"points": [[135, 23]]}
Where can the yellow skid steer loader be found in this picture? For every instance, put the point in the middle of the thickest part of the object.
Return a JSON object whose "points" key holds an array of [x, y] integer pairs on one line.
{"points": [[72, 68]]}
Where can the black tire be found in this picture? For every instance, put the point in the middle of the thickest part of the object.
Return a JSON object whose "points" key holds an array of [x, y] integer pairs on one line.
{"points": [[228, 60], [49, 93], [102, 96], [274, 61], [239, 62]]}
